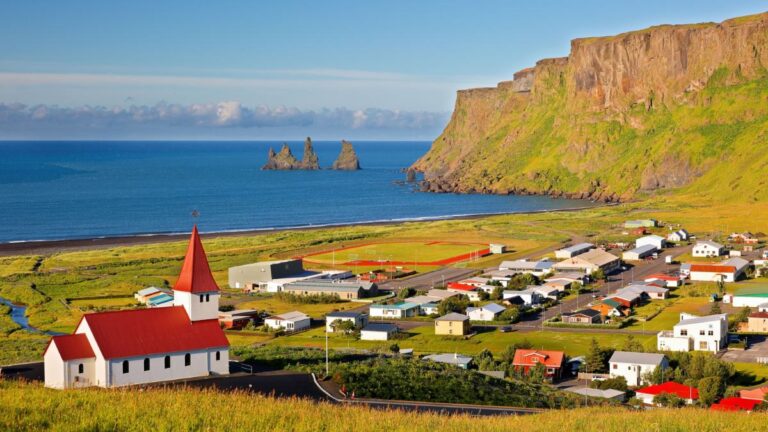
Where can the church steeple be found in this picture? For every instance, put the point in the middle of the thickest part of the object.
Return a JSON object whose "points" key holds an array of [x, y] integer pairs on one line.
{"points": [[196, 289]]}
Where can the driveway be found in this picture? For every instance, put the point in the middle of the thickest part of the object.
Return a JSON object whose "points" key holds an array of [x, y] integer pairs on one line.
{"points": [[758, 348]]}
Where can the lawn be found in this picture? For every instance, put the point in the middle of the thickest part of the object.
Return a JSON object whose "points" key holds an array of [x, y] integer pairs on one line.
{"points": [[423, 340], [274, 305], [414, 252], [111, 302], [749, 374], [243, 338], [671, 313]]}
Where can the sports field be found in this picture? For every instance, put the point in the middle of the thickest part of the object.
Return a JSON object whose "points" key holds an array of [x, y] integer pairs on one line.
{"points": [[410, 253]]}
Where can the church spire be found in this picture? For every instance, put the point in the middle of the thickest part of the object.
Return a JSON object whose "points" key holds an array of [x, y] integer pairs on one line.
{"points": [[196, 274]]}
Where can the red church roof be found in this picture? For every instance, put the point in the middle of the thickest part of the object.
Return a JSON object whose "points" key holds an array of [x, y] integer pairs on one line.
{"points": [[671, 387], [140, 332], [524, 357], [195, 274], [72, 347]]}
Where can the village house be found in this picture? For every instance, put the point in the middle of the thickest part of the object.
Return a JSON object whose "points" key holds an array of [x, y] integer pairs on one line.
{"points": [[589, 262], [487, 312], [707, 249], [669, 281], [452, 324], [154, 297], [378, 332], [735, 404], [238, 318], [583, 316], [610, 308], [272, 276], [678, 236], [639, 253], [528, 297], [729, 270], [753, 296], [572, 251], [537, 268], [497, 248], [684, 392], [657, 242], [470, 291], [346, 290], [634, 367], [757, 322], [457, 360], [527, 359], [140, 346], [694, 333], [397, 310], [745, 238], [289, 321], [759, 393], [358, 319]]}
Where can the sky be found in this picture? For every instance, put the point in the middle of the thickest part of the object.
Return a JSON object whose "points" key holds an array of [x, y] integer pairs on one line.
{"points": [[246, 70]]}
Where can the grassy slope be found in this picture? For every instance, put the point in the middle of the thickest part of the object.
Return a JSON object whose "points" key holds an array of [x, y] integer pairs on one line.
{"points": [[31, 407], [548, 144]]}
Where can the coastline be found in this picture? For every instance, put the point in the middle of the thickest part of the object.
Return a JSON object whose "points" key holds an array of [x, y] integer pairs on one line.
{"points": [[53, 246]]}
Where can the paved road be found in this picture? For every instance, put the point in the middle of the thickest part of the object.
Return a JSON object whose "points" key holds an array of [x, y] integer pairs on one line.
{"points": [[430, 279], [636, 273]]}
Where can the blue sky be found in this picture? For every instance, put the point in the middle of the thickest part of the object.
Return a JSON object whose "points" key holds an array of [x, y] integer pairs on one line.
{"points": [[338, 64]]}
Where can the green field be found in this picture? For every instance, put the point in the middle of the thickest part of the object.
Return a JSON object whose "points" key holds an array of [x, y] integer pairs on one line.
{"points": [[413, 252], [274, 305], [671, 312], [423, 340]]}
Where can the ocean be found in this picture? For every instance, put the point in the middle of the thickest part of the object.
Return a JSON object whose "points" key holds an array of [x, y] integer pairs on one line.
{"points": [[72, 190]]}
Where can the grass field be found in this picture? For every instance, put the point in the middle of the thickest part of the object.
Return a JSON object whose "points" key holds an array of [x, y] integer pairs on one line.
{"points": [[413, 252], [274, 305], [30, 407], [671, 313], [423, 340]]}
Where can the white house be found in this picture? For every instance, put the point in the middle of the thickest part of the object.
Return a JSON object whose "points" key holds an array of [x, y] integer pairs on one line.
{"points": [[635, 366], [397, 310], [656, 241], [694, 333], [753, 298], [729, 270], [572, 251], [678, 236], [529, 296], [378, 332], [705, 249], [639, 253], [458, 360], [358, 319], [537, 268], [140, 346], [289, 321], [485, 313]]}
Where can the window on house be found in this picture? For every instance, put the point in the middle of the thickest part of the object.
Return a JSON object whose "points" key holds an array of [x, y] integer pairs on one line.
{"points": [[207, 297], [146, 364], [126, 368], [167, 362], [201, 298], [615, 366], [701, 332], [80, 368], [218, 355], [711, 333], [187, 359], [683, 332]]}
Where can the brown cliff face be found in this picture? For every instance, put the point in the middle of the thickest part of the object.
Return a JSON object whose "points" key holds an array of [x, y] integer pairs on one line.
{"points": [[641, 111]]}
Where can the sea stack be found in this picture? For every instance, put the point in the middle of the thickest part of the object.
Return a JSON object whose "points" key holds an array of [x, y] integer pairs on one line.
{"points": [[309, 161], [347, 160], [285, 160]]}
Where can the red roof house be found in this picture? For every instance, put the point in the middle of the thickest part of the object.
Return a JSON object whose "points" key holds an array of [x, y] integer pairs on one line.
{"points": [[553, 361], [735, 404], [687, 393], [72, 347], [754, 394], [456, 286]]}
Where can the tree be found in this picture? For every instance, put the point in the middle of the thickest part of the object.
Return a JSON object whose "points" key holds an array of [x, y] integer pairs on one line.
{"points": [[537, 374], [406, 292], [344, 326], [485, 360], [710, 388], [498, 293], [715, 309], [596, 359], [614, 383], [511, 315], [742, 316], [394, 348], [598, 274], [457, 303], [483, 295], [632, 345], [668, 400]]}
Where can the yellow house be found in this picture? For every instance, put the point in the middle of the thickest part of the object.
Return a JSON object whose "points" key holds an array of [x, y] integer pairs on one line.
{"points": [[452, 324]]}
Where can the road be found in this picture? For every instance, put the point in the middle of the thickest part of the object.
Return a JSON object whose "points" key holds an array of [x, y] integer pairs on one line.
{"points": [[430, 279], [636, 273]]}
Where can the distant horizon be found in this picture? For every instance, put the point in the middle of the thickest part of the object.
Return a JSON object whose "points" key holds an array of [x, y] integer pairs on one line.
{"points": [[148, 71]]}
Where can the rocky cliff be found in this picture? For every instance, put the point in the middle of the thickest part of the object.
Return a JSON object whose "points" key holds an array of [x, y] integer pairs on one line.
{"points": [[681, 107], [347, 159], [285, 160]]}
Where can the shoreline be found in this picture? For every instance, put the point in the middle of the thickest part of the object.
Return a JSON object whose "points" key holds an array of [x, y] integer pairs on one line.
{"points": [[27, 247]]}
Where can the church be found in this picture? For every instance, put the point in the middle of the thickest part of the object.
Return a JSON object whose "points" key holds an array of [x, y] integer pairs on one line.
{"points": [[140, 346]]}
